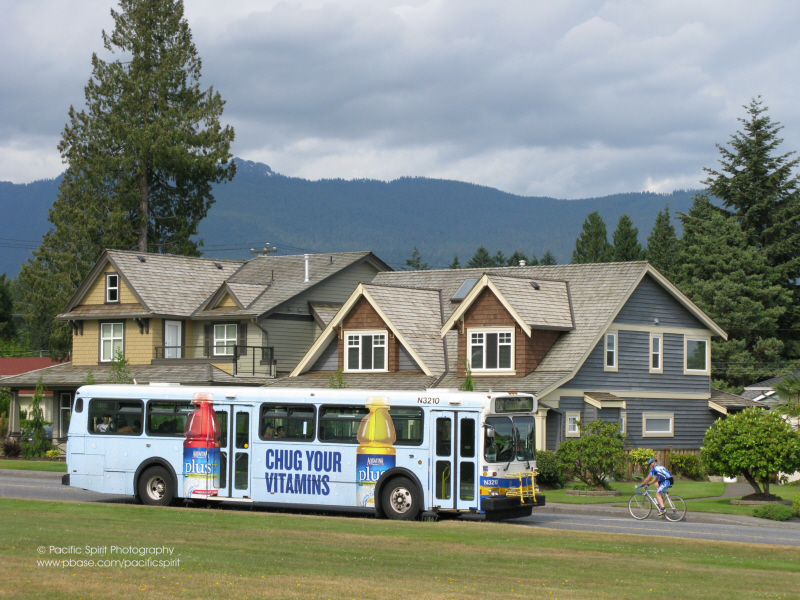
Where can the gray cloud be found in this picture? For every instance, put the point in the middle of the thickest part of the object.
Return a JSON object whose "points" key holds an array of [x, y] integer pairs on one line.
{"points": [[542, 98]]}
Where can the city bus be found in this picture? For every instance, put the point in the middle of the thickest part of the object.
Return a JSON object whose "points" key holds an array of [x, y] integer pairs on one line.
{"points": [[397, 453]]}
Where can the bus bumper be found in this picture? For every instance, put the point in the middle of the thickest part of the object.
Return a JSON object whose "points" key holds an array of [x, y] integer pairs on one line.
{"points": [[499, 508], [65, 479]]}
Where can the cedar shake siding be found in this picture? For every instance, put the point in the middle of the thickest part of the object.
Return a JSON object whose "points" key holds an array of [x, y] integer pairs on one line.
{"points": [[487, 311], [364, 317]]}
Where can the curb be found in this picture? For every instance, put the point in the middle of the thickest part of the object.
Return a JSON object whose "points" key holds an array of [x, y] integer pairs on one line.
{"points": [[32, 474], [694, 517]]}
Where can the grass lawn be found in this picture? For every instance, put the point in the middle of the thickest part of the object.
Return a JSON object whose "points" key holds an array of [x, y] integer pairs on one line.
{"points": [[249, 555], [685, 489], [33, 465], [787, 492]]}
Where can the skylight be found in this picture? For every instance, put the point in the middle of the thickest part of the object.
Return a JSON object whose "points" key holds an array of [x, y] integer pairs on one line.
{"points": [[465, 289]]}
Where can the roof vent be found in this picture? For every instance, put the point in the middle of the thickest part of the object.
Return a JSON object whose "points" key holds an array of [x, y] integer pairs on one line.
{"points": [[465, 289], [142, 258], [522, 262], [218, 265], [535, 285]]}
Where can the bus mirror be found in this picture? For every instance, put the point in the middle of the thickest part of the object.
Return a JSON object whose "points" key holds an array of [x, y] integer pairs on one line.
{"points": [[489, 431]]}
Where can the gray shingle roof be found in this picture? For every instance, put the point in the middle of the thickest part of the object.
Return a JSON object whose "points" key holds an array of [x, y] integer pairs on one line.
{"points": [[545, 308], [246, 292], [323, 312], [768, 383], [416, 313], [105, 310], [532, 383], [731, 401], [597, 291], [401, 380], [69, 375]]}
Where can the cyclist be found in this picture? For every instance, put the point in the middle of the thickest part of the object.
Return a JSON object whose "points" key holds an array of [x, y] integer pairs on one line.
{"points": [[664, 478]]}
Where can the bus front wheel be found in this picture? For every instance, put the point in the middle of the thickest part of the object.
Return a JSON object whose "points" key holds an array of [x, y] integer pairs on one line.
{"points": [[156, 487], [401, 500]]}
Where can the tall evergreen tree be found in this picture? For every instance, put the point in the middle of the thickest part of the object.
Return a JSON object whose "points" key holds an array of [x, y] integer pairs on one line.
{"points": [[592, 245], [732, 281], [500, 259], [141, 160], [481, 259], [548, 258], [513, 260], [757, 185], [415, 262], [662, 245], [626, 241], [455, 264], [7, 330]]}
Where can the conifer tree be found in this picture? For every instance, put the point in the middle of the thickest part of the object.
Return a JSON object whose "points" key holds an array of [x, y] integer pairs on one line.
{"points": [[7, 331], [455, 264], [592, 245], [626, 241], [759, 188], [548, 258], [481, 259], [734, 284], [662, 245], [141, 160], [415, 262], [499, 259], [513, 260]]}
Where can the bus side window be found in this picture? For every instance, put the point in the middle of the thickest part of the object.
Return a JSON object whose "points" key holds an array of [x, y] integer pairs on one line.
{"points": [[407, 425], [166, 418], [340, 423], [115, 417], [286, 422]]}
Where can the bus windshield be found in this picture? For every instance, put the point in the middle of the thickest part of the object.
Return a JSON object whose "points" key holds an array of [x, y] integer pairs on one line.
{"points": [[502, 447]]}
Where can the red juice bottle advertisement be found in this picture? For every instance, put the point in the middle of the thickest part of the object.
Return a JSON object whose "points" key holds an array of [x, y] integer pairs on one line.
{"points": [[201, 459]]}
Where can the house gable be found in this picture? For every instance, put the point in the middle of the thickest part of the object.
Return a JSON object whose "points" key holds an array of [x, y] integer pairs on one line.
{"points": [[488, 311], [650, 301], [363, 316], [227, 302]]}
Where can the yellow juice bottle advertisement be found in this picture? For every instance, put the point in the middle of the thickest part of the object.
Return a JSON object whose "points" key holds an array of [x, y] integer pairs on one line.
{"points": [[375, 454]]}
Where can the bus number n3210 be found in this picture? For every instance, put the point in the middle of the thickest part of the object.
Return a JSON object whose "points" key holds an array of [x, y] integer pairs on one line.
{"points": [[427, 400]]}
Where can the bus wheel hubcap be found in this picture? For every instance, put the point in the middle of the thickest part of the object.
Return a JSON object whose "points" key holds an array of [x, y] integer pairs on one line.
{"points": [[401, 500], [156, 487]]}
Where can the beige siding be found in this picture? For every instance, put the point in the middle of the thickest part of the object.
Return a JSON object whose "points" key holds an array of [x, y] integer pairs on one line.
{"points": [[337, 289], [139, 347], [226, 302], [97, 291], [291, 340]]}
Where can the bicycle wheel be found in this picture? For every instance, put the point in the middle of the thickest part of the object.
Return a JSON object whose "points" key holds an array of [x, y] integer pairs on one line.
{"points": [[675, 508], [639, 506]]}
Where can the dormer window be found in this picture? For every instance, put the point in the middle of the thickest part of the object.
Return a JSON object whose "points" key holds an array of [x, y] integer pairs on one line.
{"points": [[366, 351], [491, 349], [112, 288]]}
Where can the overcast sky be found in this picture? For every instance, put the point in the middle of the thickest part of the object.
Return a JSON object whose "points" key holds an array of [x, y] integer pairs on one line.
{"points": [[564, 99]]}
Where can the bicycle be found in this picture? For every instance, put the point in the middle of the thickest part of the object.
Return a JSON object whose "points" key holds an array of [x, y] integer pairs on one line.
{"points": [[641, 505]]}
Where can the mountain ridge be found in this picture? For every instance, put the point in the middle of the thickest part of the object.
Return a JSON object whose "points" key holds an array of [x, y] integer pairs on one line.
{"points": [[441, 217]]}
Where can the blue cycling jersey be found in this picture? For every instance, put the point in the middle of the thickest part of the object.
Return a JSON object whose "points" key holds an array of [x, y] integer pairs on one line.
{"points": [[660, 473]]}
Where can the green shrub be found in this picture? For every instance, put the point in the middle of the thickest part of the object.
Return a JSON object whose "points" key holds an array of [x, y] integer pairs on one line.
{"points": [[55, 453], [12, 448], [581, 487], [796, 504], [775, 512], [640, 456], [686, 464], [595, 456], [34, 440], [551, 471]]}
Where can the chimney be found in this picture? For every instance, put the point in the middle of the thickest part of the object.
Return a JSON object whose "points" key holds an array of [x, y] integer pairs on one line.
{"points": [[522, 263], [306, 257]]}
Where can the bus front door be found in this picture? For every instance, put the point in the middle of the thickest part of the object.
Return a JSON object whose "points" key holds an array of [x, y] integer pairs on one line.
{"points": [[455, 465], [234, 442]]}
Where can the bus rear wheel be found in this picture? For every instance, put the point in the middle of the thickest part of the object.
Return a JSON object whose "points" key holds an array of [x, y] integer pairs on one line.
{"points": [[401, 500], [156, 487]]}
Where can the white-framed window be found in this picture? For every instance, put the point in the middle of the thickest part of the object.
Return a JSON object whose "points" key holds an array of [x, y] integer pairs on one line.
{"points": [[365, 351], [696, 356], [224, 339], [572, 429], [610, 351], [491, 349], [112, 287], [65, 410], [658, 425], [656, 353], [623, 422], [111, 340]]}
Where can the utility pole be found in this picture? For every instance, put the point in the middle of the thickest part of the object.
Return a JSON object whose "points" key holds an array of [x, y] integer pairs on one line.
{"points": [[266, 251]]}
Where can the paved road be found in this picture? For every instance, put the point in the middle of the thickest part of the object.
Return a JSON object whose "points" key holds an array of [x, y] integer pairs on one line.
{"points": [[47, 486], [785, 534]]}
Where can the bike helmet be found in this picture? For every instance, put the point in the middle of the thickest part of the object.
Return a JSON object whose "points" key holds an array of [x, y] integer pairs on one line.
{"points": [[652, 460]]}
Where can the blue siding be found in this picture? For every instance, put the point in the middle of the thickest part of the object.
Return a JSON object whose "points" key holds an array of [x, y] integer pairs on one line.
{"points": [[329, 359], [633, 373], [692, 420], [650, 301], [554, 434]]}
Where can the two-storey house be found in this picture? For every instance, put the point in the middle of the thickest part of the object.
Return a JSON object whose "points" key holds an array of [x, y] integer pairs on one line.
{"points": [[614, 341], [196, 320]]}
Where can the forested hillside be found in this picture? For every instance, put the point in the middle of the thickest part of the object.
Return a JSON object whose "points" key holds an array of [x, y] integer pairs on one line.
{"points": [[441, 218]]}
